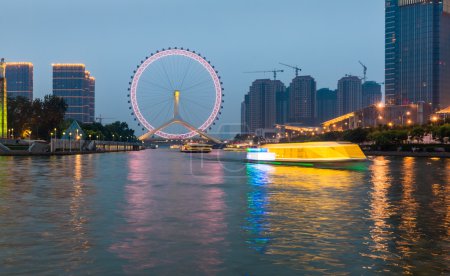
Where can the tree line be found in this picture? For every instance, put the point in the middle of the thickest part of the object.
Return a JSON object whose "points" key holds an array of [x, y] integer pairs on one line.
{"points": [[383, 135], [39, 118], [380, 136]]}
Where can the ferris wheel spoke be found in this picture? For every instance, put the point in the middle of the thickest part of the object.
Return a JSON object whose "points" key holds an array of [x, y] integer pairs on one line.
{"points": [[148, 92], [152, 118], [167, 75], [197, 120], [150, 106], [194, 121], [198, 104], [185, 73], [195, 79], [195, 85], [155, 84]]}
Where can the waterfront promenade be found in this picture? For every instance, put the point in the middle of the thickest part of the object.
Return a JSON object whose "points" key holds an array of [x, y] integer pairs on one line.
{"points": [[9, 147]]}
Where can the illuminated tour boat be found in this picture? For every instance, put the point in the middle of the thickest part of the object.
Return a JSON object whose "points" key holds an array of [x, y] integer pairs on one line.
{"points": [[311, 154], [196, 148]]}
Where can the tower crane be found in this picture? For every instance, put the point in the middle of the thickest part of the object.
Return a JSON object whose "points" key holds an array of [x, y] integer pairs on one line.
{"points": [[100, 119], [274, 71], [293, 67], [365, 70]]}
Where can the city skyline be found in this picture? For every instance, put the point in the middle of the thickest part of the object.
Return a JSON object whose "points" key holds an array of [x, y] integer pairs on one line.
{"points": [[111, 49]]}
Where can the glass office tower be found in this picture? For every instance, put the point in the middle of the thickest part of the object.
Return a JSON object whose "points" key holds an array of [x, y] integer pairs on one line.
{"points": [[19, 79], [417, 49], [74, 84]]}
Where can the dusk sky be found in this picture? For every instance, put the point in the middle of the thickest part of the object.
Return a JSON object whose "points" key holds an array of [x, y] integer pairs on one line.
{"points": [[325, 38]]}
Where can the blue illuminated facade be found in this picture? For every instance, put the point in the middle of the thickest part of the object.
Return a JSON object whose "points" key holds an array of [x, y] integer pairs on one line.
{"points": [[417, 49], [19, 80], [75, 85]]}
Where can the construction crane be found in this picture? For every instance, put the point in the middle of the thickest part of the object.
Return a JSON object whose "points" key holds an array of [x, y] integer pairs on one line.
{"points": [[100, 119], [365, 71], [293, 67], [274, 71]]}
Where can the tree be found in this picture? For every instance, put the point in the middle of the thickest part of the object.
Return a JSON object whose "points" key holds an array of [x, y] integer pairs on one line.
{"points": [[358, 135], [120, 130], [417, 133], [20, 113], [39, 116], [441, 132]]}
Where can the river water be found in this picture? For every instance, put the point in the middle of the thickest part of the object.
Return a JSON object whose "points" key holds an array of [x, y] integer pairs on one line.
{"points": [[161, 212]]}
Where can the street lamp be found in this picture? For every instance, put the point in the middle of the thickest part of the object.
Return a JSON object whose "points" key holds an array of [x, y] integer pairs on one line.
{"points": [[79, 140], [64, 141], [407, 113], [70, 141], [51, 141]]}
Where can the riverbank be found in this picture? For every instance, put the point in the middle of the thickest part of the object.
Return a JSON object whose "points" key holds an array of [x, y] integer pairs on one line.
{"points": [[408, 154], [61, 147], [59, 153]]}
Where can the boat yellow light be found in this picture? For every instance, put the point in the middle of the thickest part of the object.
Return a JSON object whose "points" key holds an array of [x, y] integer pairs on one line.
{"points": [[312, 152]]}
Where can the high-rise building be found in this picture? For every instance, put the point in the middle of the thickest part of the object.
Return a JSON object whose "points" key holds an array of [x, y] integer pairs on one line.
{"points": [[3, 101], [90, 86], [371, 93], [245, 114], [417, 48], [326, 103], [302, 92], [349, 95], [282, 106], [262, 113], [77, 87], [19, 79]]}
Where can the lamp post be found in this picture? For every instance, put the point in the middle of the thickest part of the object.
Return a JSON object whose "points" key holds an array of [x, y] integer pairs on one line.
{"points": [[54, 141], [407, 113], [434, 119], [79, 140], [70, 141], [64, 142], [51, 141]]}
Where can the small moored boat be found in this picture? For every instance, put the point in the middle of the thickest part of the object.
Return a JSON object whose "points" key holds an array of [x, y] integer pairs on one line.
{"points": [[196, 148]]}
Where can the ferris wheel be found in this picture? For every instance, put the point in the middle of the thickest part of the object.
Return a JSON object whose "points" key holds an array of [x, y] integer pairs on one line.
{"points": [[176, 93]]}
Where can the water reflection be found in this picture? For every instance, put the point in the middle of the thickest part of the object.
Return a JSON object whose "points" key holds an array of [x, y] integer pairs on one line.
{"points": [[380, 210], [302, 216], [317, 221], [44, 210], [178, 211], [154, 212], [404, 225]]}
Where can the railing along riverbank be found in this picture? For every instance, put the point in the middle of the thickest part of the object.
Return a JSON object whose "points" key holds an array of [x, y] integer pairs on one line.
{"points": [[64, 147]]}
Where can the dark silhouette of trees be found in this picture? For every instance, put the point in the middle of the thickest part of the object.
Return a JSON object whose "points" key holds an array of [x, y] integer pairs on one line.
{"points": [[117, 131], [40, 117]]}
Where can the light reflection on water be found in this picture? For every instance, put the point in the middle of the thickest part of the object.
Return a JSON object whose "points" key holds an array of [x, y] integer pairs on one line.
{"points": [[162, 212]]}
